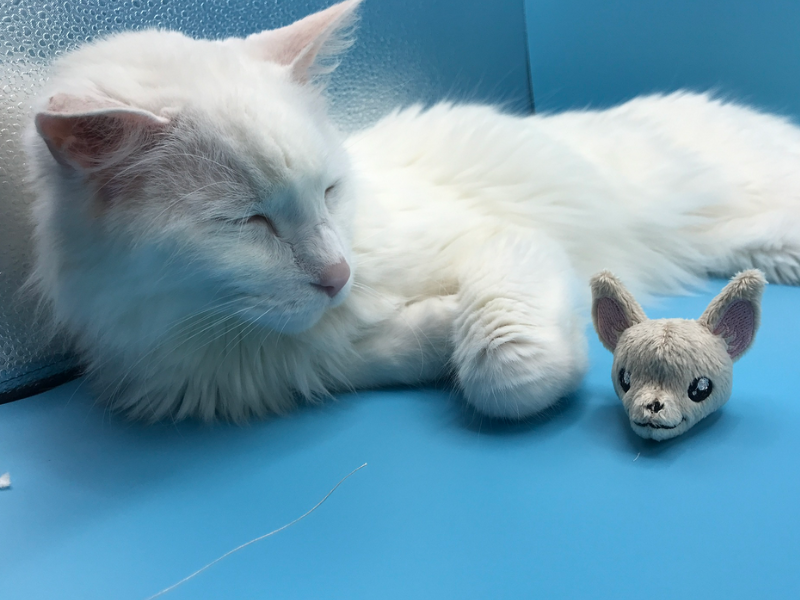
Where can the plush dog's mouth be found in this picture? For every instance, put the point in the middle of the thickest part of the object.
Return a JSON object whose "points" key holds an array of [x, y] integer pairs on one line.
{"points": [[657, 426]]}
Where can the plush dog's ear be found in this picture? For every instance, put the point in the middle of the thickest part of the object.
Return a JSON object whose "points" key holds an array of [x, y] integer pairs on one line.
{"points": [[614, 309], [735, 313]]}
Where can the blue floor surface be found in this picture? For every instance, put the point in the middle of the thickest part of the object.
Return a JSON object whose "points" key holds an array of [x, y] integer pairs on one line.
{"points": [[570, 506]]}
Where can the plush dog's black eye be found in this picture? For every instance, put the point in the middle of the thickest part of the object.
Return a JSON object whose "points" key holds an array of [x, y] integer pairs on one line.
{"points": [[700, 389], [624, 380]]}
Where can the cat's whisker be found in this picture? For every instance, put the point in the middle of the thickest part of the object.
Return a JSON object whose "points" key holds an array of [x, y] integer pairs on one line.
{"points": [[226, 168], [173, 332], [241, 334], [219, 321], [170, 205]]}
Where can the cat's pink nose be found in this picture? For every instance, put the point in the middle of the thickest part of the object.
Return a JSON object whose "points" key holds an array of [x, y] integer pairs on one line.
{"points": [[334, 277]]}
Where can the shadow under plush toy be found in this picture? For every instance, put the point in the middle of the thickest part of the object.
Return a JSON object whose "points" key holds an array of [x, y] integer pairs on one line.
{"points": [[671, 373]]}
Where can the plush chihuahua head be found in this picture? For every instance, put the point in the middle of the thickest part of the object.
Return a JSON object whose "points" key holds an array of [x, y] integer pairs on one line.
{"points": [[670, 373]]}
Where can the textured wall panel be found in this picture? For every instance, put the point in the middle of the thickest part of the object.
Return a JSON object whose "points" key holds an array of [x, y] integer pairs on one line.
{"points": [[407, 51]]}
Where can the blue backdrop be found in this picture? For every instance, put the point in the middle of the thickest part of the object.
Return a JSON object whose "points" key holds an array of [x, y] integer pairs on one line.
{"points": [[601, 52]]}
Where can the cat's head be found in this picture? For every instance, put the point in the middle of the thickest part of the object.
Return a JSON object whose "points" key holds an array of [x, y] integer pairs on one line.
{"points": [[671, 373], [176, 175]]}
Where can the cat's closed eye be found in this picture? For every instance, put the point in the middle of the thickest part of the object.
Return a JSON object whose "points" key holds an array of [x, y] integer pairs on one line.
{"points": [[263, 221], [329, 190]]}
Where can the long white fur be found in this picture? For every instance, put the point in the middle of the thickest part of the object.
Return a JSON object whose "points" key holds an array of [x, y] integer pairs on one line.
{"points": [[471, 234]]}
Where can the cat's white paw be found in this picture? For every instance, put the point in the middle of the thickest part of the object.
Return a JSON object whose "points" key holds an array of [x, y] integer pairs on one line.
{"points": [[510, 366], [519, 344]]}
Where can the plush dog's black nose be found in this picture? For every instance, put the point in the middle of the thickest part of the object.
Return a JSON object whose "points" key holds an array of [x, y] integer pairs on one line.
{"points": [[655, 406]]}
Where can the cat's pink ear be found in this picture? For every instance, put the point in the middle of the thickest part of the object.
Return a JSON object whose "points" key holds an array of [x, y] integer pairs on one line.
{"points": [[735, 314], [306, 45], [614, 309], [90, 132]]}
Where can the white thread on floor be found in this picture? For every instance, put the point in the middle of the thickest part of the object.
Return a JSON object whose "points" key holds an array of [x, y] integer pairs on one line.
{"points": [[253, 541], [5, 481], [637, 457]]}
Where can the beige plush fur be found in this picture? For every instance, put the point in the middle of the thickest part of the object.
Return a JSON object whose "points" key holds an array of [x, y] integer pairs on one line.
{"points": [[676, 371]]}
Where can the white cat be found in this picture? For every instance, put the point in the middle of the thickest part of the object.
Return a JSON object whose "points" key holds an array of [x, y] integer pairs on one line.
{"points": [[218, 251]]}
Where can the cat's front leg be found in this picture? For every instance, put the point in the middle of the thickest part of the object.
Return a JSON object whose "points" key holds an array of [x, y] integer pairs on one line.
{"points": [[519, 343], [407, 344]]}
